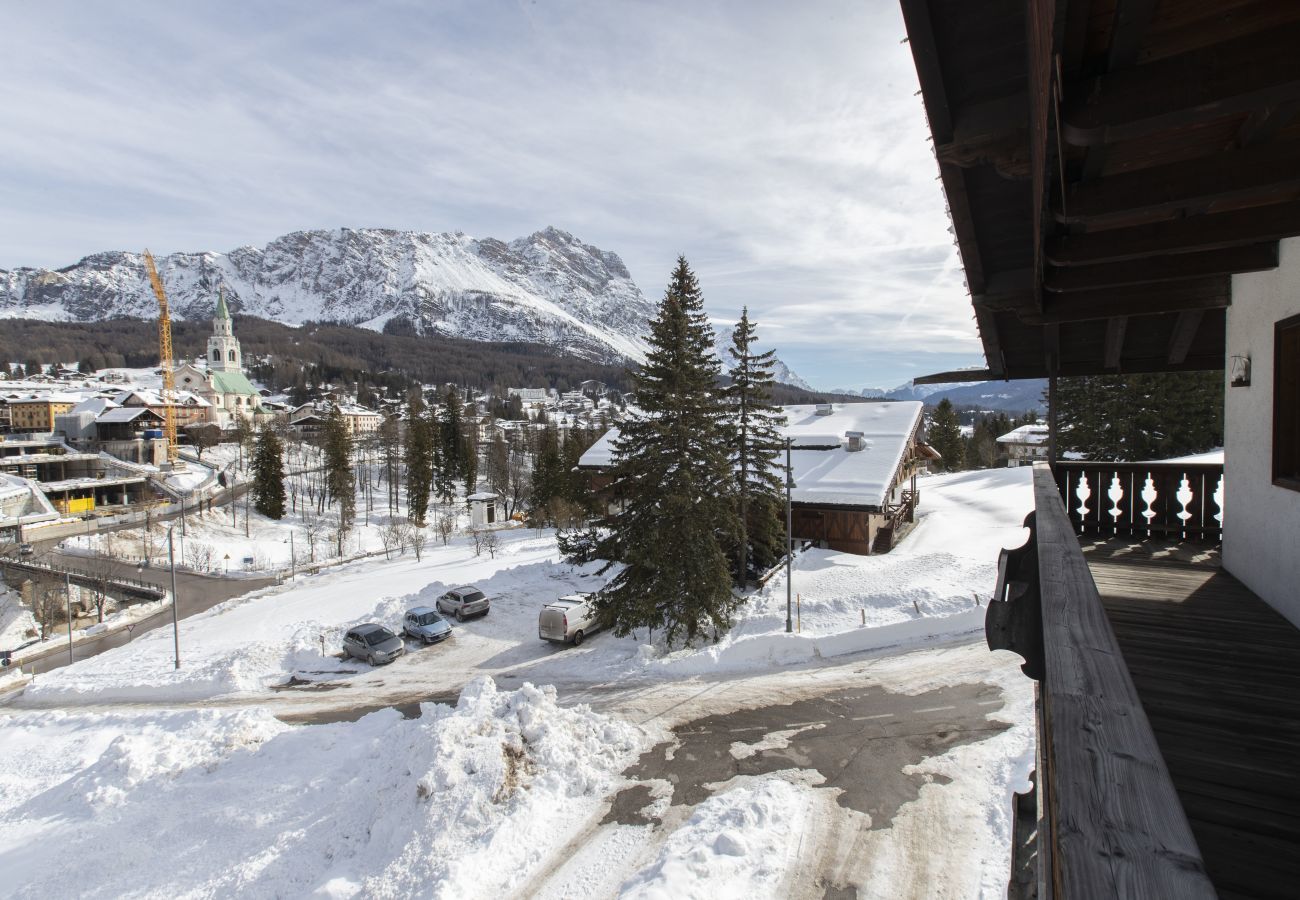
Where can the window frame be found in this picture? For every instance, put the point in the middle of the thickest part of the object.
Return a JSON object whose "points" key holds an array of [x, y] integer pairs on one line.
{"points": [[1286, 405]]}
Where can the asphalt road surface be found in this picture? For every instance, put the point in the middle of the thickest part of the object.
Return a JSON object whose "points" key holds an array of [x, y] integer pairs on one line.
{"points": [[197, 594]]}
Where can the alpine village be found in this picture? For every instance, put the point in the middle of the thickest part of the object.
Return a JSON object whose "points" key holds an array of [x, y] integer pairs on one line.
{"points": [[381, 561]]}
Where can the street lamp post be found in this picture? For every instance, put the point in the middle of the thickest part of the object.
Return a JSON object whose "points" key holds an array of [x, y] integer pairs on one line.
{"points": [[176, 628], [67, 593], [789, 538]]}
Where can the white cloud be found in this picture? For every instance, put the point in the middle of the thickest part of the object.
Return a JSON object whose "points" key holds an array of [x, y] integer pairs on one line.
{"points": [[778, 145]]}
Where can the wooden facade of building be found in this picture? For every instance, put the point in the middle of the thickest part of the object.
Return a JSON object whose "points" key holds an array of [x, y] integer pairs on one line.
{"points": [[1123, 178]]}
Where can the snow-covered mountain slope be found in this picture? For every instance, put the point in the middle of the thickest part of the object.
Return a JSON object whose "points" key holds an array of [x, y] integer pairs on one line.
{"points": [[780, 371], [547, 288]]}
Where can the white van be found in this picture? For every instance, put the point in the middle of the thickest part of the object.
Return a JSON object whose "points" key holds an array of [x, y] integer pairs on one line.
{"points": [[569, 619]]}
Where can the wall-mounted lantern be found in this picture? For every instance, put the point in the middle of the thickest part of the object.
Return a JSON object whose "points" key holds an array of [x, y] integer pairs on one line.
{"points": [[1240, 372]]}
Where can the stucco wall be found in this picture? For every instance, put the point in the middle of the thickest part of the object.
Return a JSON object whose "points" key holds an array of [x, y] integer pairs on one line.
{"points": [[1261, 533]]}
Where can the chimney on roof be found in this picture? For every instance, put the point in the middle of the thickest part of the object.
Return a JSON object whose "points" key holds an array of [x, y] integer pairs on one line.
{"points": [[825, 409], [857, 441]]}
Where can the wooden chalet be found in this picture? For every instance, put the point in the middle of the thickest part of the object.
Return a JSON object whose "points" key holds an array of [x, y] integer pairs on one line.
{"points": [[1123, 178], [854, 467]]}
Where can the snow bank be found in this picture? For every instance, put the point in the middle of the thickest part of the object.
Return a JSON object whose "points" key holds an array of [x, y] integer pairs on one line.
{"points": [[460, 802], [737, 844]]}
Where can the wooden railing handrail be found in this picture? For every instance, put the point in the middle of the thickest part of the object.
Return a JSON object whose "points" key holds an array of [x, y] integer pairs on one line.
{"points": [[1109, 813], [1144, 500]]}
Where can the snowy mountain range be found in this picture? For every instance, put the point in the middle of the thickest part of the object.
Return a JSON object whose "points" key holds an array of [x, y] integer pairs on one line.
{"points": [[780, 371], [1008, 396], [547, 288]]}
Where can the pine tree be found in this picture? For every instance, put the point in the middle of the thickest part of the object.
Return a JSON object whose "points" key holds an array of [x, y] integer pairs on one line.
{"points": [[672, 469], [452, 438], [419, 460], [756, 443], [546, 481], [339, 478], [1140, 416], [268, 474], [945, 436]]}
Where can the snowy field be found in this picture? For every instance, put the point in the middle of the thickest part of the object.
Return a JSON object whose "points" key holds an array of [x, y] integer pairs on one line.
{"points": [[476, 799]]}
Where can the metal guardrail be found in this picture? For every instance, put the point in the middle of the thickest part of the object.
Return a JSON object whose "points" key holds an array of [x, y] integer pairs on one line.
{"points": [[130, 587]]}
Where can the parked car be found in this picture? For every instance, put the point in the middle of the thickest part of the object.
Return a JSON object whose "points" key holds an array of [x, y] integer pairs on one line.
{"points": [[26, 549], [569, 619], [374, 643], [426, 625], [463, 602]]}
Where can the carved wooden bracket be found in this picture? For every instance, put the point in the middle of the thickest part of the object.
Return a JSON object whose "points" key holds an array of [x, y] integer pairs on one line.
{"points": [[1014, 620]]}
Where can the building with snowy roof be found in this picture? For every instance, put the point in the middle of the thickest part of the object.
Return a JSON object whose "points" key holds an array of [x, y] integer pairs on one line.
{"points": [[854, 464], [1025, 445]]}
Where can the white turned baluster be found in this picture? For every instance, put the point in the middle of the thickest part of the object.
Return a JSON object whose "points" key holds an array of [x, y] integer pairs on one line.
{"points": [[1184, 497], [1083, 492], [1218, 501], [1149, 495], [1116, 494]]}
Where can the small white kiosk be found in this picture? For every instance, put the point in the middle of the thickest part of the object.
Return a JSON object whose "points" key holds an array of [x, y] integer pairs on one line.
{"points": [[483, 509]]}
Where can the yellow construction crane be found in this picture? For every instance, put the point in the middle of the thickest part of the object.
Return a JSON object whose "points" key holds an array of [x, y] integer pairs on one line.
{"points": [[165, 357]]}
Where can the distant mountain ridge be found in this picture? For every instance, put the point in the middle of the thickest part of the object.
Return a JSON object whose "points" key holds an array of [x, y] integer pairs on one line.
{"points": [[547, 288], [1005, 396]]}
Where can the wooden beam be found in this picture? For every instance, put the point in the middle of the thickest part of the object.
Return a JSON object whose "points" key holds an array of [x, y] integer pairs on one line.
{"points": [[1185, 330], [1043, 40], [1128, 29], [1268, 170], [1115, 329], [1082, 306], [1176, 267], [1052, 348], [925, 54], [1266, 121], [1205, 84], [1194, 233]]}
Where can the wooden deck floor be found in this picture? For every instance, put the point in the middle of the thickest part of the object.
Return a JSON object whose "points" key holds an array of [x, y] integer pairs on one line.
{"points": [[1218, 673]]}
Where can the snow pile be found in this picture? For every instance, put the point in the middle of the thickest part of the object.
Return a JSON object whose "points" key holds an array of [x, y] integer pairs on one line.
{"points": [[739, 844], [460, 802], [17, 624]]}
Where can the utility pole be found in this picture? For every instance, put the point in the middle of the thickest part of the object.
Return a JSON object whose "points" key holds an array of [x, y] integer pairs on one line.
{"points": [[67, 593], [176, 628], [789, 537]]}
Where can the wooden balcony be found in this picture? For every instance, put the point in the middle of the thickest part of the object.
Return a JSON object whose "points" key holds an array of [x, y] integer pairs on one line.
{"points": [[1169, 713]]}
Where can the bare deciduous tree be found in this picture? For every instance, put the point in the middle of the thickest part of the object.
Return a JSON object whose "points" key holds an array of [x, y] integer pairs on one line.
{"points": [[476, 534], [446, 527], [392, 535], [416, 538], [200, 555], [491, 543]]}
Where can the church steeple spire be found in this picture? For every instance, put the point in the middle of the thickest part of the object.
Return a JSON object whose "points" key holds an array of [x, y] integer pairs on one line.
{"points": [[223, 348]]}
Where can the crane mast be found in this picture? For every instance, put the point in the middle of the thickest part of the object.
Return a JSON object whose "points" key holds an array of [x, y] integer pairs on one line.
{"points": [[164, 358]]}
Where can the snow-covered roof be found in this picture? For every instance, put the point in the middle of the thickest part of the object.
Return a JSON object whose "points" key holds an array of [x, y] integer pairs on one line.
{"points": [[832, 475], [96, 405], [123, 414], [1026, 434]]}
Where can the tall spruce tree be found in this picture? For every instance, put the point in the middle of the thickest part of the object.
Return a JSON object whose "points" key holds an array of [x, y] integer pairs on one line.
{"points": [[945, 436], [419, 460], [339, 477], [268, 474], [672, 469], [452, 436], [755, 444]]}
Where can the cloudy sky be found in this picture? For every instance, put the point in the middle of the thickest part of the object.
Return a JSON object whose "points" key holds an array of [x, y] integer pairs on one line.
{"points": [[778, 145]]}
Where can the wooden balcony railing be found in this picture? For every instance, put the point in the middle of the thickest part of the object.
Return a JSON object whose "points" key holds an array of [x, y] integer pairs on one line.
{"points": [[1176, 501], [1108, 820]]}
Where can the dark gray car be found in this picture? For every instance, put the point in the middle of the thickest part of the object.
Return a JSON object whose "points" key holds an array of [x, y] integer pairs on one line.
{"points": [[426, 625], [374, 643]]}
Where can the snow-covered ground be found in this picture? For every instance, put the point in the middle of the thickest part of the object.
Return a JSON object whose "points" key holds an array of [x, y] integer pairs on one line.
{"points": [[479, 799]]}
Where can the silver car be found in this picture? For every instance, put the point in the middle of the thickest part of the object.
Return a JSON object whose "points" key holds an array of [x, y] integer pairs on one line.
{"points": [[463, 602], [426, 625], [374, 643]]}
